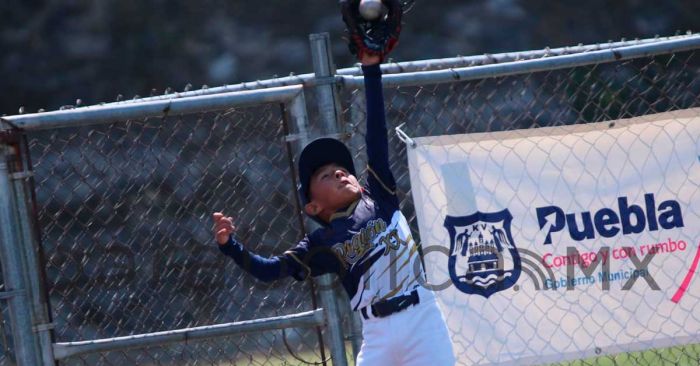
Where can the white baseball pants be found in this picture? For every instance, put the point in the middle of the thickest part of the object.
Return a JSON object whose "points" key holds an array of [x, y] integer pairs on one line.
{"points": [[416, 336]]}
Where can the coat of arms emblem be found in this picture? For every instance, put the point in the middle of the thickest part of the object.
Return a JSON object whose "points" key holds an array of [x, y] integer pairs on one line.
{"points": [[483, 257]]}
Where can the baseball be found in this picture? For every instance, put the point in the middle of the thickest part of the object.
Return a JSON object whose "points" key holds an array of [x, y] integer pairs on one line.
{"points": [[371, 9]]}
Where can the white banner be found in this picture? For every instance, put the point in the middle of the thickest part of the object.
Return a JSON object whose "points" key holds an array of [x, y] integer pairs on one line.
{"points": [[563, 243]]}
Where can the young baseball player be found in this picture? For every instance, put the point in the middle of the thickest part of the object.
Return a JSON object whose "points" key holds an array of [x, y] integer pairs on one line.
{"points": [[364, 238]]}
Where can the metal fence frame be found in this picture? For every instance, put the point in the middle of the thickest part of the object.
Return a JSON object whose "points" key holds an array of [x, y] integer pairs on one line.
{"points": [[453, 75], [19, 263], [461, 69], [19, 292], [310, 80], [30, 318]]}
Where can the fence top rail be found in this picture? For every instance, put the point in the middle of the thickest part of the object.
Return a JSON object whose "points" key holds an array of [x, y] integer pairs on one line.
{"points": [[486, 59], [109, 113], [310, 80], [533, 65]]}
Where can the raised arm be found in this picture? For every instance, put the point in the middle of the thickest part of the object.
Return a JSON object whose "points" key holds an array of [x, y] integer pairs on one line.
{"points": [[380, 178]]}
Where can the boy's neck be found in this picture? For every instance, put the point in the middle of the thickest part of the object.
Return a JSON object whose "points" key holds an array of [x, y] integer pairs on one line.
{"points": [[329, 215]]}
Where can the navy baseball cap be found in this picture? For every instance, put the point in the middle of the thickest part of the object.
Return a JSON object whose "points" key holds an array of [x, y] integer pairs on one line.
{"points": [[317, 154]]}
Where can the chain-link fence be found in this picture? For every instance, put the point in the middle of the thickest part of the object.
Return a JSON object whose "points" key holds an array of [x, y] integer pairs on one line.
{"points": [[571, 95], [125, 214], [590, 93], [124, 206]]}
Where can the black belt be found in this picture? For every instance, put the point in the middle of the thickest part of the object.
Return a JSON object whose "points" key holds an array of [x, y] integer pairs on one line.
{"points": [[391, 306]]}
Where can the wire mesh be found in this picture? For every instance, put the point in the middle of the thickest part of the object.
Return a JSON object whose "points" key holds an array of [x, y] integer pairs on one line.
{"points": [[125, 207], [217, 351], [577, 95], [125, 216]]}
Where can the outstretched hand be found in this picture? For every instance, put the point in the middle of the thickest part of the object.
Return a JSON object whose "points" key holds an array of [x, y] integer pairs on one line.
{"points": [[376, 38], [223, 227]]}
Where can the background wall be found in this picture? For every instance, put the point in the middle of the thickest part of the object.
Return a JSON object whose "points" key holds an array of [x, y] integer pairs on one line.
{"points": [[57, 51]]}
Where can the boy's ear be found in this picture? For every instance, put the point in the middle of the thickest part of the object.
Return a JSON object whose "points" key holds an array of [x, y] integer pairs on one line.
{"points": [[312, 209]]}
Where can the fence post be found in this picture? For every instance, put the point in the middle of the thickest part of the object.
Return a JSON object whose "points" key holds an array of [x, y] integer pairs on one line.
{"points": [[30, 251], [334, 323], [356, 129], [24, 342], [327, 97], [330, 111], [353, 327]]}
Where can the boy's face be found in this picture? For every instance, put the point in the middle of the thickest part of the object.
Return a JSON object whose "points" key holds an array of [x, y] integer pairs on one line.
{"points": [[331, 188]]}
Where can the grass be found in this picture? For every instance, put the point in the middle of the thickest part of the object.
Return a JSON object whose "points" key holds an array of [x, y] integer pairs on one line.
{"points": [[677, 356], [673, 356]]}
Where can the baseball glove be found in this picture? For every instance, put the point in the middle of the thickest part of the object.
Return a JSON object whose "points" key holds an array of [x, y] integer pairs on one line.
{"points": [[375, 38]]}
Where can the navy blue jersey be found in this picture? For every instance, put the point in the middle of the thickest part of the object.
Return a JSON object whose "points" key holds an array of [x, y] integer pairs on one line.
{"points": [[369, 243]]}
